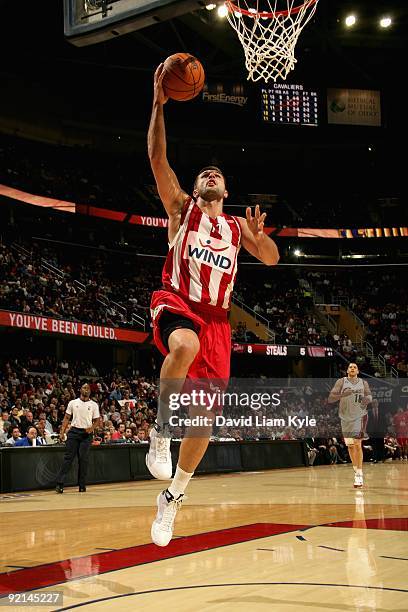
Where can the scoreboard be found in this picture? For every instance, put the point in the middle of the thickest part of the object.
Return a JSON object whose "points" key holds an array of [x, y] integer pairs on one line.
{"points": [[282, 350], [289, 104]]}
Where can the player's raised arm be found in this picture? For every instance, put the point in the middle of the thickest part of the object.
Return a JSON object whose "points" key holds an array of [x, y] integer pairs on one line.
{"points": [[254, 239], [169, 189]]}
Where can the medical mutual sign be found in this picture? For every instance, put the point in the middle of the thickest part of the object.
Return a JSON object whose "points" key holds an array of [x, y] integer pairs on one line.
{"points": [[354, 107]]}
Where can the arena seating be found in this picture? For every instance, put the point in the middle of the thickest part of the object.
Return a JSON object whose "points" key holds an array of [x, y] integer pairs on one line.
{"points": [[379, 298], [38, 280], [78, 283], [110, 181], [37, 390]]}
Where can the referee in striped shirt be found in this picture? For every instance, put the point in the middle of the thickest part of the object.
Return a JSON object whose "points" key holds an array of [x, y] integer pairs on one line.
{"points": [[85, 418]]}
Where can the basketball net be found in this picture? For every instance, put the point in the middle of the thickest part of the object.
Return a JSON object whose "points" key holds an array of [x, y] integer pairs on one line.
{"points": [[268, 31]]}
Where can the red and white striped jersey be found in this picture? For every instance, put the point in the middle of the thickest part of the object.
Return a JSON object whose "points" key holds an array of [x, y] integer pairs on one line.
{"points": [[201, 264]]}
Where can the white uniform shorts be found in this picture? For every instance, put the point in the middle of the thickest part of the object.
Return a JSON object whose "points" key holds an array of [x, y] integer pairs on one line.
{"points": [[354, 429]]}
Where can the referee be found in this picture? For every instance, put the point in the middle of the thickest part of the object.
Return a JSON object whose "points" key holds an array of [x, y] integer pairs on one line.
{"points": [[85, 417]]}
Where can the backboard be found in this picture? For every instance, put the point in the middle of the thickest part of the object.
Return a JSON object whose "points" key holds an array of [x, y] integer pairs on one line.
{"points": [[87, 22]]}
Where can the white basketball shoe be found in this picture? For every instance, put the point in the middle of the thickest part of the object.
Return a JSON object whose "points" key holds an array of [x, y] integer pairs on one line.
{"points": [[358, 481], [163, 525], [158, 459]]}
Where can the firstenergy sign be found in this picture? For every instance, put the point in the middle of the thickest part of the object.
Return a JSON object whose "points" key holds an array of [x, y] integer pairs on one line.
{"points": [[224, 98]]}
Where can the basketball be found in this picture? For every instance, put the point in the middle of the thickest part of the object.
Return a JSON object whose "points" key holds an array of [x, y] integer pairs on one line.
{"points": [[184, 78]]}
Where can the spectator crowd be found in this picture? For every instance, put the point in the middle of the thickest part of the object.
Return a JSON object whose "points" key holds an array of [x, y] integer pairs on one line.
{"points": [[284, 305], [379, 299], [108, 288], [34, 394], [36, 280]]}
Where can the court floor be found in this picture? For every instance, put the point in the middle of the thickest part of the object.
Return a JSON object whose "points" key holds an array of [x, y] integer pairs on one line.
{"points": [[295, 539]]}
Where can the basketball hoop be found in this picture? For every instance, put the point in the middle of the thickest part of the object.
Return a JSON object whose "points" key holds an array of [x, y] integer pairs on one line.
{"points": [[268, 31]]}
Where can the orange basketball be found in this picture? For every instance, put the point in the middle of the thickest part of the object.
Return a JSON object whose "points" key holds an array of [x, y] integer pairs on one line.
{"points": [[184, 78]]}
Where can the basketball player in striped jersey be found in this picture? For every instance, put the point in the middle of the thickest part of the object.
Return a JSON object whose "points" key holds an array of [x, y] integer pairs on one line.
{"points": [[353, 395], [189, 313]]}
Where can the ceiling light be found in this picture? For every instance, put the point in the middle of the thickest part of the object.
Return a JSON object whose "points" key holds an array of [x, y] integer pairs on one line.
{"points": [[222, 11], [297, 253], [350, 20], [211, 6], [385, 22]]}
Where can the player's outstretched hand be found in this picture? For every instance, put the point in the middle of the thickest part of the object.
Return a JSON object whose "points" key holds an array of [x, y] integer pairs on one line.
{"points": [[159, 95], [256, 222]]}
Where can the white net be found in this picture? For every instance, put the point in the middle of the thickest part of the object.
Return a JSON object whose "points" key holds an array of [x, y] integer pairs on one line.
{"points": [[268, 31]]}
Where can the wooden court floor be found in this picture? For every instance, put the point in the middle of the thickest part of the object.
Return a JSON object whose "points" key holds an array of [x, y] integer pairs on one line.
{"points": [[295, 539]]}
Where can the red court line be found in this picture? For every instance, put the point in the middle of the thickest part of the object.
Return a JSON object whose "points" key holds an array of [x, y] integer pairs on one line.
{"points": [[396, 524], [49, 574]]}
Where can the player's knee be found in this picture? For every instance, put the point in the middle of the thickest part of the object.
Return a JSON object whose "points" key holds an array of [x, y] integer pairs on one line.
{"points": [[185, 348]]}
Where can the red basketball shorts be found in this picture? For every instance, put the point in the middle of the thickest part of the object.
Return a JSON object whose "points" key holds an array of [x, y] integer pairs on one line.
{"points": [[214, 333]]}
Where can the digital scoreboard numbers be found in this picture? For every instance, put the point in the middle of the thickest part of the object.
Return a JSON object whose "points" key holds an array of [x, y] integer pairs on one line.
{"points": [[289, 104]]}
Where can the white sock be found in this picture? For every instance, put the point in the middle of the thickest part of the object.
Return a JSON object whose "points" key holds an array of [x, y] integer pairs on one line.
{"points": [[180, 482], [359, 472], [355, 469]]}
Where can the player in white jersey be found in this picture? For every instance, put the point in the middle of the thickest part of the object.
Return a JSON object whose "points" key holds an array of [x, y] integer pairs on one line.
{"points": [[353, 395]]}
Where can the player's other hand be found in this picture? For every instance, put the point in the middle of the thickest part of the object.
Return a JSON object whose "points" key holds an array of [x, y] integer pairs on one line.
{"points": [[159, 95], [365, 401], [347, 393], [256, 222]]}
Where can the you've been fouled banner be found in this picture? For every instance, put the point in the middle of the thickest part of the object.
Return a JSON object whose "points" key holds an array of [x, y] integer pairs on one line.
{"points": [[73, 328]]}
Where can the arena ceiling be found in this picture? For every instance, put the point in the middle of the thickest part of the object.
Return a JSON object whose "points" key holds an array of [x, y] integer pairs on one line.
{"points": [[365, 54], [99, 96], [45, 78]]}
